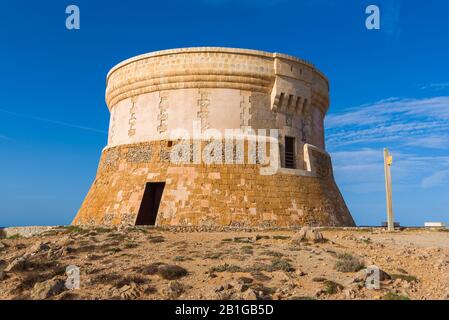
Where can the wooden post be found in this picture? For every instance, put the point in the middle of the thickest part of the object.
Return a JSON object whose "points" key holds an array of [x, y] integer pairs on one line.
{"points": [[388, 161]]}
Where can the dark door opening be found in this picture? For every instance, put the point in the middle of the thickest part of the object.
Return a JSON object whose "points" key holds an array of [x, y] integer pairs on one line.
{"points": [[150, 204], [290, 156]]}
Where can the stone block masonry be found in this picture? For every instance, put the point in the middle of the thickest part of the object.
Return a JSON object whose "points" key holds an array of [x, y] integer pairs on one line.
{"points": [[211, 195], [153, 95]]}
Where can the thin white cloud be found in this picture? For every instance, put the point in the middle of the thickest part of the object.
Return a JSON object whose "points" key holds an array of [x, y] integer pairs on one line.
{"points": [[436, 86], [436, 179], [57, 122], [403, 121], [435, 142], [362, 170]]}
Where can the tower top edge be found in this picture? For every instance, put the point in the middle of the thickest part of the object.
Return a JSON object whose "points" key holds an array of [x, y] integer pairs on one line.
{"points": [[250, 52]]}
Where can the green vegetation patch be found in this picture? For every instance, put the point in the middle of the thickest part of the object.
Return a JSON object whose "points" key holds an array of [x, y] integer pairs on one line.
{"points": [[394, 296], [404, 277], [348, 263], [332, 287]]}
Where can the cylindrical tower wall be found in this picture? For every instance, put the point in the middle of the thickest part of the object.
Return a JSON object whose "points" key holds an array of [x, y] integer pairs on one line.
{"points": [[153, 95]]}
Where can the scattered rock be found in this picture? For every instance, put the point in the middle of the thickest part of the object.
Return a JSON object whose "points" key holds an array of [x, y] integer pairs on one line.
{"points": [[319, 279], [249, 295], [307, 234], [171, 272], [55, 252], [166, 271], [47, 289], [25, 232], [239, 286], [174, 289], [397, 283], [286, 289], [129, 292], [2, 275], [319, 292], [229, 286], [277, 296], [38, 247], [225, 295], [360, 276], [66, 250], [352, 290], [349, 294], [59, 251], [260, 276], [262, 292], [18, 264], [245, 280], [300, 273], [219, 288], [364, 239], [19, 246]]}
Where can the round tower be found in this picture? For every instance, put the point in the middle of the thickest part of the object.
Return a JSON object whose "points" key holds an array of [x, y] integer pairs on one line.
{"points": [[215, 136]]}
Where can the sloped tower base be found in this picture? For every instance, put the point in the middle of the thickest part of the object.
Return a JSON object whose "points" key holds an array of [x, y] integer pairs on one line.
{"points": [[218, 195]]}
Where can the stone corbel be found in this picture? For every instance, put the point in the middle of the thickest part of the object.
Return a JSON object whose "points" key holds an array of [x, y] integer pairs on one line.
{"points": [[289, 95]]}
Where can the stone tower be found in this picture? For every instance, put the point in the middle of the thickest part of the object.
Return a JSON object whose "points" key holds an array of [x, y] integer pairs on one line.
{"points": [[197, 90]]}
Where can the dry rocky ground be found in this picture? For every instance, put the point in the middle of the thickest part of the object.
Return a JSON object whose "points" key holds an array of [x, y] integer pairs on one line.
{"points": [[151, 263]]}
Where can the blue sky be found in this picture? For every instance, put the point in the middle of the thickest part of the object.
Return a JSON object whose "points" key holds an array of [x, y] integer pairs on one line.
{"points": [[389, 88]]}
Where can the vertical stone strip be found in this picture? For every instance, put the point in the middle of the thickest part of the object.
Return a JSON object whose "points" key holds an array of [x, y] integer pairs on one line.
{"points": [[163, 115], [245, 109], [112, 127], [306, 122], [132, 118], [203, 106]]}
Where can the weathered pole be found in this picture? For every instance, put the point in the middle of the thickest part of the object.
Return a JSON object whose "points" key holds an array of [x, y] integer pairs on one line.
{"points": [[388, 161]]}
